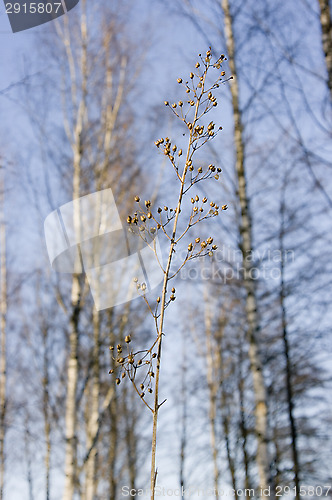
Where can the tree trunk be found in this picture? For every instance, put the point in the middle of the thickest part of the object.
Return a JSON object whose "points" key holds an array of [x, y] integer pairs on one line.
{"points": [[326, 26], [3, 314], [113, 417], [261, 429], [289, 385], [93, 424], [47, 423], [213, 366], [72, 375], [243, 426]]}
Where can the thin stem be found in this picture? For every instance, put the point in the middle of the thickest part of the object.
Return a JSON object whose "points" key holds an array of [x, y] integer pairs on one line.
{"points": [[163, 298]]}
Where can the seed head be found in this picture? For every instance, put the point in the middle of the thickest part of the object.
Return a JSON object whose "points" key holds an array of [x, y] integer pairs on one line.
{"points": [[130, 359]]}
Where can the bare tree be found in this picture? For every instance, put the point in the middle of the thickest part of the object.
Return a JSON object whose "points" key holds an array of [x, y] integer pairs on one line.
{"points": [[246, 247]]}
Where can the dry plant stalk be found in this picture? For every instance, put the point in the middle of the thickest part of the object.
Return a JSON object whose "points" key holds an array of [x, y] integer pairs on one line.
{"points": [[200, 100]]}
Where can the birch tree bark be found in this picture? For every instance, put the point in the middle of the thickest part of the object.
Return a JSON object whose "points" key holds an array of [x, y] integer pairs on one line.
{"points": [[261, 428], [77, 145]]}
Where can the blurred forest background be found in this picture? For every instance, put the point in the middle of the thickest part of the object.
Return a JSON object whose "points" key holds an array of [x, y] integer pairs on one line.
{"points": [[247, 360]]}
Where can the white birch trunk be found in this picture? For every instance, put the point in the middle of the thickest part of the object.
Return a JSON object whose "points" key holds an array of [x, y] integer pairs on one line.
{"points": [[261, 429]]}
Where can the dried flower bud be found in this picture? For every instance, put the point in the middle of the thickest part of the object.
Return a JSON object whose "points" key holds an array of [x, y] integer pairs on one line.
{"points": [[166, 103], [224, 207], [199, 170], [111, 371], [150, 390], [173, 290], [172, 297], [149, 215], [123, 374], [154, 355], [179, 80], [158, 299], [165, 208], [203, 244], [197, 65], [180, 103], [191, 75], [214, 247], [119, 348], [117, 380], [204, 200], [216, 177], [190, 247], [111, 347], [137, 198], [127, 339], [197, 240], [196, 198], [180, 152], [174, 105], [159, 210], [120, 360], [130, 359], [139, 362], [142, 386]]}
